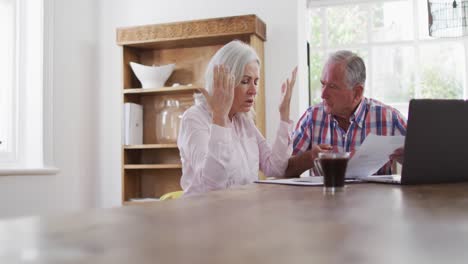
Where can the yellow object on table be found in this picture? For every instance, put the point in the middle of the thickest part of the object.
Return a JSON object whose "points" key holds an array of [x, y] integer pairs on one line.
{"points": [[171, 195]]}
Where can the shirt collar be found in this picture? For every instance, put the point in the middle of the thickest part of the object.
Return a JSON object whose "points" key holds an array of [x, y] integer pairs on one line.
{"points": [[359, 113]]}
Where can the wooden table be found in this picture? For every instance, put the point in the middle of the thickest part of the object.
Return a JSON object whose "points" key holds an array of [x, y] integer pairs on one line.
{"points": [[368, 223]]}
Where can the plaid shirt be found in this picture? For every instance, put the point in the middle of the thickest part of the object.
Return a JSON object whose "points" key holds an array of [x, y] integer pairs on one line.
{"points": [[371, 116]]}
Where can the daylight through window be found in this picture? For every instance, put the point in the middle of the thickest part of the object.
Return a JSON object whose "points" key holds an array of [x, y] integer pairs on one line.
{"points": [[402, 61]]}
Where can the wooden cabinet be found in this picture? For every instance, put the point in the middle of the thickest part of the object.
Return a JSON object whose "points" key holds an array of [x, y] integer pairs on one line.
{"points": [[152, 169]]}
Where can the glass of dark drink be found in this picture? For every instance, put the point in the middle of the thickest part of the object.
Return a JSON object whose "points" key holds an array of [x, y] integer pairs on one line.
{"points": [[333, 167]]}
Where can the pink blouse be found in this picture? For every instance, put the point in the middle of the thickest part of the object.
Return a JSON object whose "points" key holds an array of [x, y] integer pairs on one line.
{"points": [[215, 157]]}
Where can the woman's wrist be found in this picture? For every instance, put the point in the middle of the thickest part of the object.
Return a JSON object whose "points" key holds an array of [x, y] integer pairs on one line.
{"points": [[284, 117], [220, 120]]}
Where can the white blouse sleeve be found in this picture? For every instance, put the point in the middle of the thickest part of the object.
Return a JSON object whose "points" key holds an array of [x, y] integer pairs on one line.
{"points": [[207, 148], [274, 160]]}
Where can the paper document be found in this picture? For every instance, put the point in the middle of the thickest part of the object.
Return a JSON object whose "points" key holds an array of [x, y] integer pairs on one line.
{"points": [[372, 155], [311, 181], [295, 181]]}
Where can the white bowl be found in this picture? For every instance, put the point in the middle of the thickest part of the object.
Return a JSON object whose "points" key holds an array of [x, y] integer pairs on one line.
{"points": [[152, 76]]}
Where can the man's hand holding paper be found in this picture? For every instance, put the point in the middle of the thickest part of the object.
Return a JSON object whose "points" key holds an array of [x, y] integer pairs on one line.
{"points": [[373, 154]]}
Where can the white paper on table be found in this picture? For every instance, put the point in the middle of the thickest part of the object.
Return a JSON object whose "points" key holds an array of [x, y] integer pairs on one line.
{"points": [[310, 181], [314, 181], [373, 154]]}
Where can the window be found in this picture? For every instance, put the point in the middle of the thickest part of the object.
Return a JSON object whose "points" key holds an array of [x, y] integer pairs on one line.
{"points": [[25, 74], [7, 74], [402, 61]]}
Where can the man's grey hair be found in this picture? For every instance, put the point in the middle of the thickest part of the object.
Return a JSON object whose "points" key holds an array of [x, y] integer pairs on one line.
{"points": [[355, 69], [235, 55]]}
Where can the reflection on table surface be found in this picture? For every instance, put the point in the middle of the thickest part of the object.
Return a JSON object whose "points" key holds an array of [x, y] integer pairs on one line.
{"points": [[367, 223]]}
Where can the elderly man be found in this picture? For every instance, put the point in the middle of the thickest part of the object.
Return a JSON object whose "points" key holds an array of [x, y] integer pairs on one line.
{"points": [[344, 118]]}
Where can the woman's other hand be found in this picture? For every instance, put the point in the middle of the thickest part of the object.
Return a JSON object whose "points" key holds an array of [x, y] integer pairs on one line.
{"points": [[221, 100], [286, 92]]}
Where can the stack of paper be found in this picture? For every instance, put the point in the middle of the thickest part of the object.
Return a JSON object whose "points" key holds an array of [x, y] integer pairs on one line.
{"points": [[133, 124]]}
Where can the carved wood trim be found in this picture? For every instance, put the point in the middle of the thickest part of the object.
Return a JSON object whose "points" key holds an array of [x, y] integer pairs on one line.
{"points": [[196, 29]]}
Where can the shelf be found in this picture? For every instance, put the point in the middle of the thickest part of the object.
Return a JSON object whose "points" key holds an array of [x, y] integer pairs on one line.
{"points": [[126, 203], [152, 166], [151, 146], [203, 32], [162, 90], [142, 202]]}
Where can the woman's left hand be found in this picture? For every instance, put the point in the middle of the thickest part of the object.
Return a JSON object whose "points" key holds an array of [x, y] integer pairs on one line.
{"points": [[286, 91]]}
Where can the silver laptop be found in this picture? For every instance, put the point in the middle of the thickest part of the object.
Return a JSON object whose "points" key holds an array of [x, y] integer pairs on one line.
{"points": [[436, 143]]}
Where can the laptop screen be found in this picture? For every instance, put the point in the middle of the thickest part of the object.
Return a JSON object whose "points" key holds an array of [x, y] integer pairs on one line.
{"points": [[436, 143]]}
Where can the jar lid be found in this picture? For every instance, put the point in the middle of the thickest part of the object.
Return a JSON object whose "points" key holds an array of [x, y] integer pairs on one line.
{"points": [[172, 103]]}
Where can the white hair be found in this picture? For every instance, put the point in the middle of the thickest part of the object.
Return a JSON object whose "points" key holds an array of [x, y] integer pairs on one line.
{"points": [[355, 69], [235, 55]]}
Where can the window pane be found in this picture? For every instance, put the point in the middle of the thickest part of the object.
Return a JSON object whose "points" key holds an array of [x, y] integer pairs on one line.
{"points": [[315, 22], [423, 23], [392, 21], [7, 53], [315, 72], [442, 70], [347, 24], [393, 78]]}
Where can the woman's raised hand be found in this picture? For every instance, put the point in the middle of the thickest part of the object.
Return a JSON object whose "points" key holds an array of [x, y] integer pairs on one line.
{"points": [[286, 91], [221, 100]]}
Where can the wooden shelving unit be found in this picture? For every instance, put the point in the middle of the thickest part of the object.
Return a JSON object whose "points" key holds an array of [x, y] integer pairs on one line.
{"points": [[152, 166], [163, 90], [150, 146], [152, 169]]}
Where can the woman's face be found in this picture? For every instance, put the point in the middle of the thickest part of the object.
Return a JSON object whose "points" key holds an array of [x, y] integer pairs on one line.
{"points": [[244, 93]]}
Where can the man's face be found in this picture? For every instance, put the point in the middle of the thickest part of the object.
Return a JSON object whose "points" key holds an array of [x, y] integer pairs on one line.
{"points": [[338, 98]]}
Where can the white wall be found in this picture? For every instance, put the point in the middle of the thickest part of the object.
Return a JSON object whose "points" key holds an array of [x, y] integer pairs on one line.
{"points": [[87, 92], [74, 112]]}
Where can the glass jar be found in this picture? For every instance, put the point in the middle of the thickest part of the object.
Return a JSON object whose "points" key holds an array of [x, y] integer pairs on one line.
{"points": [[168, 122]]}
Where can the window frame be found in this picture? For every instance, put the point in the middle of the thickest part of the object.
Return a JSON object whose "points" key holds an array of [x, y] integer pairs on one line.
{"points": [[11, 154], [43, 160], [416, 43]]}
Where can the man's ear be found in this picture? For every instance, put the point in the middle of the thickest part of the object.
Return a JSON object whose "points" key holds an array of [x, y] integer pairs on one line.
{"points": [[358, 92]]}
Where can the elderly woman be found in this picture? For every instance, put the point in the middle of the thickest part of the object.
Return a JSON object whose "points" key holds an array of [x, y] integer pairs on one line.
{"points": [[219, 143]]}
